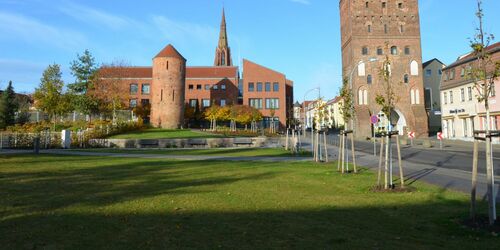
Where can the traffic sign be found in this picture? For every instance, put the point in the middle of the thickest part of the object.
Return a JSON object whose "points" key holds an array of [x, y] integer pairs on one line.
{"points": [[411, 135], [440, 135], [374, 119]]}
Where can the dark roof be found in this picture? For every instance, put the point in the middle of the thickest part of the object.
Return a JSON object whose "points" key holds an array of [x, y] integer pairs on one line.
{"points": [[425, 64], [494, 48], [170, 51], [212, 72], [126, 72]]}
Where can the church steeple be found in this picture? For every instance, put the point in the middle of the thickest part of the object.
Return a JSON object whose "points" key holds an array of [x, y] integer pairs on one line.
{"points": [[223, 52]]}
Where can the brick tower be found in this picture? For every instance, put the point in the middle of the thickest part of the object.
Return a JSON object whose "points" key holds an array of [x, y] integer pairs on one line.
{"points": [[168, 89], [372, 30], [223, 52]]}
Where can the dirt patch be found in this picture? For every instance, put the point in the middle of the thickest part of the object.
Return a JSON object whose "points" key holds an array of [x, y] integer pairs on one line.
{"points": [[394, 189]]}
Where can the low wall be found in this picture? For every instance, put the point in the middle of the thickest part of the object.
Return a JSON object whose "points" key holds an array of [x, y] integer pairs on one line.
{"points": [[190, 143]]}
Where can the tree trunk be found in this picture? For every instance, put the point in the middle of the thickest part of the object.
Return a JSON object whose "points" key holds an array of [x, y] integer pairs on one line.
{"points": [[353, 153], [386, 162], [474, 181], [379, 178], [401, 174]]}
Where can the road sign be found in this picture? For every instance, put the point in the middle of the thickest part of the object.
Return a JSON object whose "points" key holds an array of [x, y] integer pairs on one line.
{"points": [[374, 119], [440, 135], [411, 135]]}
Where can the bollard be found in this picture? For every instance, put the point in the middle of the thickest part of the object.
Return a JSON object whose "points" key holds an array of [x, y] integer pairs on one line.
{"points": [[36, 145]]}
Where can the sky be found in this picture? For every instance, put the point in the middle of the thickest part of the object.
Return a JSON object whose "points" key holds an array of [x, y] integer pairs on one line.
{"points": [[300, 38]]}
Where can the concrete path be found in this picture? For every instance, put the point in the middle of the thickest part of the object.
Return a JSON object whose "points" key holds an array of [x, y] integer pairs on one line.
{"points": [[160, 156]]}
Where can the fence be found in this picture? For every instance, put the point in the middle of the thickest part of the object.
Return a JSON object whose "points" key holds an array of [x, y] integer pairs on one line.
{"points": [[121, 115]]}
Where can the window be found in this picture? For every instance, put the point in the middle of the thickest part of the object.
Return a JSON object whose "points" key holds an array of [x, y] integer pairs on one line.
{"points": [[361, 69], [445, 98], [367, 4], [272, 103], [268, 87], [492, 90], [385, 28], [428, 99], [462, 94], [451, 97], [400, 5], [406, 78], [145, 89], [193, 103], [215, 87], [369, 28], [276, 86], [462, 72], [394, 50], [469, 93], [401, 28], [384, 4], [256, 103], [190, 86], [198, 87], [133, 103], [380, 51], [259, 87], [134, 88], [412, 96], [466, 129], [223, 86], [205, 103], [144, 102], [414, 68], [407, 50], [369, 79], [363, 97], [251, 87], [428, 72], [447, 76], [222, 102], [452, 75], [207, 86], [415, 96], [440, 72], [364, 51]]}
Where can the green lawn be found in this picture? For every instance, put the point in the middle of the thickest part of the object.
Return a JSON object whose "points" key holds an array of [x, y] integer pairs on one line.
{"points": [[163, 134], [70, 202], [260, 152]]}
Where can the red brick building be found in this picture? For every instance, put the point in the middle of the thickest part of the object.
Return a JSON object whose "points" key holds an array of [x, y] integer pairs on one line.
{"points": [[208, 85], [372, 30]]}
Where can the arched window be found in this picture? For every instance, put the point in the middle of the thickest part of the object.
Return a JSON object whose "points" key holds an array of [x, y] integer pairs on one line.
{"points": [[364, 51], [417, 96], [362, 96], [223, 58], [414, 68], [412, 96], [365, 97], [369, 79], [361, 69], [406, 78], [394, 50]]}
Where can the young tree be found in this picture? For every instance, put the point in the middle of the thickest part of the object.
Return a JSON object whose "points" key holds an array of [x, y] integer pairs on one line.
{"points": [[483, 74], [346, 106], [109, 89], [256, 117], [211, 115], [49, 94], [244, 115], [8, 107], [84, 70]]}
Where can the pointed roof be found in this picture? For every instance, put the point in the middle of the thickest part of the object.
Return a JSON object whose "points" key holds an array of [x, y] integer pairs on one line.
{"points": [[223, 43], [170, 51]]}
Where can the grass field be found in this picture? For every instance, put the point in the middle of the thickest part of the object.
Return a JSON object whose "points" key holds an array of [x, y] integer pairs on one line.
{"points": [[71, 202], [155, 133], [259, 152]]}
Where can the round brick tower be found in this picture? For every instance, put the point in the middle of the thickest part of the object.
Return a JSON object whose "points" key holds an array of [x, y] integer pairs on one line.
{"points": [[168, 88]]}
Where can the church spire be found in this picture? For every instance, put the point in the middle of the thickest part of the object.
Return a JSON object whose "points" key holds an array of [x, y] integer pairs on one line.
{"points": [[222, 52]]}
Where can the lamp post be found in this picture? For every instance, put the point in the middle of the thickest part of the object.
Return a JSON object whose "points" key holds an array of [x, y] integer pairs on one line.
{"points": [[303, 104]]}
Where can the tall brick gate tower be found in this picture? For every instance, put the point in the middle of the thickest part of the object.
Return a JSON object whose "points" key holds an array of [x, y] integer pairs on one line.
{"points": [[168, 89], [372, 30]]}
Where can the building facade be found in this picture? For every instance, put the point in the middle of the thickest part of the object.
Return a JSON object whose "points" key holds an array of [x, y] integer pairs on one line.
{"points": [[372, 30], [203, 86], [462, 113], [433, 71]]}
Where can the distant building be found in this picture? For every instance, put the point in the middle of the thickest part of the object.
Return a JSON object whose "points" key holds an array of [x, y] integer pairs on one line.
{"points": [[433, 70], [334, 118], [265, 89], [370, 31], [461, 111]]}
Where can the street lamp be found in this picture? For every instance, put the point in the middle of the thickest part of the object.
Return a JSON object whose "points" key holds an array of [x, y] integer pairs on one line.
{"points": [[351, 75]]}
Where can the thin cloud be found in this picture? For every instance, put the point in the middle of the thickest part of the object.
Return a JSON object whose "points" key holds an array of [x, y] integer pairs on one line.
{"points": [[94, 16], [184, 31], [30, 30], [305, 2]]}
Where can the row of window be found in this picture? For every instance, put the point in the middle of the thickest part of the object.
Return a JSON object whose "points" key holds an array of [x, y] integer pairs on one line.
{"points": [[267, 85], [380, 51], [133, 102], [386, 28], [207, 87], [414, 67], [369, 79], [428, 72], [384, 5], [450, 75], [448, 96], [145, 88], [205, 103], [363, 97], [271, 103]]}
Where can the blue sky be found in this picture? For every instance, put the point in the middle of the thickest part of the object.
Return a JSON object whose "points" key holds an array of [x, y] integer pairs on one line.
{"points": [[300, 38]]}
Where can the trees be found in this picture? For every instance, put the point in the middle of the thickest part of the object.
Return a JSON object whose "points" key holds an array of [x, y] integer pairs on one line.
{"points": [[108, 89], [49, 96], [211, 115], [84, 70], [8, 107], [483, 74]]}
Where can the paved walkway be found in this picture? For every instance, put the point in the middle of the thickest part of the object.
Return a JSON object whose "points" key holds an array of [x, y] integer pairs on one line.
{"points": [[160, 156]]}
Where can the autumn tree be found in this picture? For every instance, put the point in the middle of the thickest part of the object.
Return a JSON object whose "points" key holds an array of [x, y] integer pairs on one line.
{"points": [[211, 114]]}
